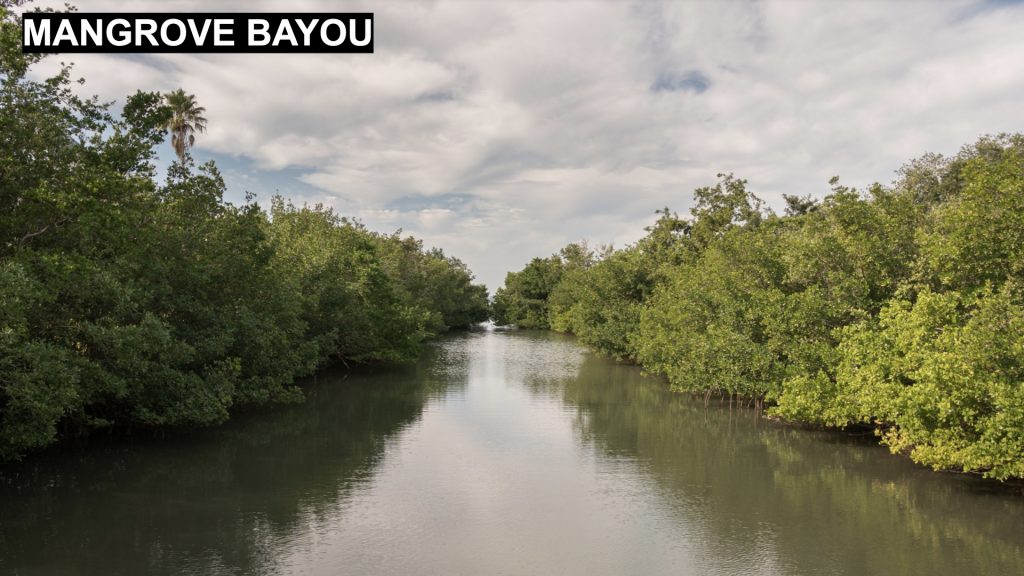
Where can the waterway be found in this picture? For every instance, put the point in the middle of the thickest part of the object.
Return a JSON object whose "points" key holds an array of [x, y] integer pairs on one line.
{"points": [[515, 453]]}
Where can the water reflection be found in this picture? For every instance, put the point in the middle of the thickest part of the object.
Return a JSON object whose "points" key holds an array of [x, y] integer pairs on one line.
{"points": [[510, 452], [773, 499], [223, 501]]}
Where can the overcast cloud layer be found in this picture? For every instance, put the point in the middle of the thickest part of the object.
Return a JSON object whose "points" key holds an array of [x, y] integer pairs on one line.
{"points": [[502, 131]]}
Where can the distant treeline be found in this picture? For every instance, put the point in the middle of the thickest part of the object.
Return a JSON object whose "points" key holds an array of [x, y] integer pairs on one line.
{"points": [[128, 302], [899, 308]]}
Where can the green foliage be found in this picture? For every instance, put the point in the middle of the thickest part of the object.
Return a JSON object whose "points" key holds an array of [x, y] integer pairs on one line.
{"points": [[125, 302], [348, 302], [722, 207], [709, 326], [976, 237], [899, 309], [601, 304], [523, 300], [942, 376], [435, 282]]}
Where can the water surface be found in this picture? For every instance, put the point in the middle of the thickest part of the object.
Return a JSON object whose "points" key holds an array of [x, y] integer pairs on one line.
{"points": [[500, 453]]}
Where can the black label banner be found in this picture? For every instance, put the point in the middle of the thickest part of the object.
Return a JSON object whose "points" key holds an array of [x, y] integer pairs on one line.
{"points": [[253, 33]]}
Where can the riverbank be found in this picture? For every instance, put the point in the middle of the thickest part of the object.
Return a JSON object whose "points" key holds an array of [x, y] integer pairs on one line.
{"points": [[136, 303], [898, 307], [534, 454]]}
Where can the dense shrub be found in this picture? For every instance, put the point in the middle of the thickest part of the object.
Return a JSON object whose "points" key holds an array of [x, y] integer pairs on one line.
{"points": [[899, 308], [128, 302]]}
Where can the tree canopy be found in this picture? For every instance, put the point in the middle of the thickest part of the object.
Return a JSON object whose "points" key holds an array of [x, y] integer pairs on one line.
{"points": [[900, 307], [127, 302]]}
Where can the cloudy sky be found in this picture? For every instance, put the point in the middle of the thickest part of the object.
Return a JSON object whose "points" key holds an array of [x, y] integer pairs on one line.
{"points": [[500, 131]]}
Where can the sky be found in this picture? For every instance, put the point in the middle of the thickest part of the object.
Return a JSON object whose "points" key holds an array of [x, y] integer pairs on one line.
{"points": [[500, 131]]}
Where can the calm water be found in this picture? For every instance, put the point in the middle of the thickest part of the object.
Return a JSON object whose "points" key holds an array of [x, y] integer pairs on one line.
{"points": [[500, 453]]}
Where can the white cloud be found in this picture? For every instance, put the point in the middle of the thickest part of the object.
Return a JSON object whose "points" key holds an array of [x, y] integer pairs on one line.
{"points": [[500, 131]]}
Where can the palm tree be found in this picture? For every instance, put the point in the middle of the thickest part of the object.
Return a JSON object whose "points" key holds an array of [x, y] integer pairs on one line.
{"points": [[186, 119]]}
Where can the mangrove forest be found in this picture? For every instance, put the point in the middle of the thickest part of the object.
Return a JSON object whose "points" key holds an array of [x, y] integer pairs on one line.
{"points": [[898, 308]]}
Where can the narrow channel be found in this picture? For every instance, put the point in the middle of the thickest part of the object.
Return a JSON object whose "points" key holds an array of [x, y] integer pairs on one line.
{"points": [[500, 453]]}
